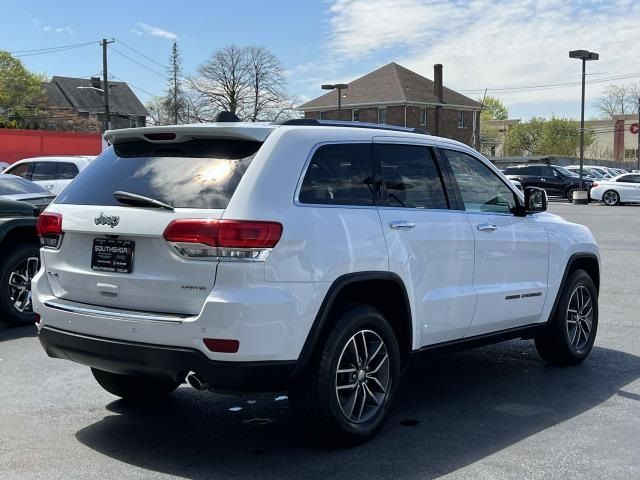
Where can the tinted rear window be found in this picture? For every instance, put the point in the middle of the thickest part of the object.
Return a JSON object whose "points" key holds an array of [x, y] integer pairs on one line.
{"points": [[193, 174], [17, 186]]}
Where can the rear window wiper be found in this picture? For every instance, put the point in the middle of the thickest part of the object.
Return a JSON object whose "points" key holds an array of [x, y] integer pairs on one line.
{"points": [[135, 199]]}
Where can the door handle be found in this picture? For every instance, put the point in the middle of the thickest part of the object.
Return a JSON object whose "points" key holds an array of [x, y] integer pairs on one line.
{"points": [[486, 227], [402, 225], [543, 180]]}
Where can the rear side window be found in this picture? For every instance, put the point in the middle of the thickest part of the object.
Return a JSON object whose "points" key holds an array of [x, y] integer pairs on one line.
{"points": [[193, 174], [23, 170], [410, 177], [339, 174], [629, 179], [67, 171], [44, 171]]}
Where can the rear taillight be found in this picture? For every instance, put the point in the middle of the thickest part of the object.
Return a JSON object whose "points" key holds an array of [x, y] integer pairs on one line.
{"points": [[594, 184], [230, 239], [49, 229]]}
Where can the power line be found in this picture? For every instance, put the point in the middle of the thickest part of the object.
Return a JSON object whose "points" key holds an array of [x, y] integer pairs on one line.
{"points": [[550, 85], [140, 53], [138, 63], [132, 85], [53, 50]]}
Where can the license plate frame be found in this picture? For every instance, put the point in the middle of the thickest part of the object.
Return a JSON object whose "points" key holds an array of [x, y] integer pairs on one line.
{"points": [[112, 255]]}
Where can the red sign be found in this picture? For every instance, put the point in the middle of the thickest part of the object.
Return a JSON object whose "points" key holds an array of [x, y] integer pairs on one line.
{"points": [[634, 128]]}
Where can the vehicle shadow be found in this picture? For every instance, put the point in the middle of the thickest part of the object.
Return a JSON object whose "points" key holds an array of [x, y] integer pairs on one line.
{"points": [[12, 332], [451, 411]]}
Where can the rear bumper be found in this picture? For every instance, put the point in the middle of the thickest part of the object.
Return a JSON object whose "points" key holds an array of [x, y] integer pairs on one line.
{"points": [[132, 358]]}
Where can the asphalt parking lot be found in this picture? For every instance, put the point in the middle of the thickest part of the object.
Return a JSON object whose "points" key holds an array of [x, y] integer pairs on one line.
{"points": [[490, 413]]}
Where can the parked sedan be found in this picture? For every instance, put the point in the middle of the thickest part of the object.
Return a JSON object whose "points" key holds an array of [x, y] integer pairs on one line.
{"points": [[621, 189], [13, 187]]}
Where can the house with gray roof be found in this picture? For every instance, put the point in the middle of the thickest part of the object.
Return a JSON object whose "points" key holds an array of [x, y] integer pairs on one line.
{"points": [[395, 95], [81, 101]]}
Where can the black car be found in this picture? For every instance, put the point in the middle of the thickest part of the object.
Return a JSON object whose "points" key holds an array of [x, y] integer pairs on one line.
{"points": [[556, 180], [21, 201]]}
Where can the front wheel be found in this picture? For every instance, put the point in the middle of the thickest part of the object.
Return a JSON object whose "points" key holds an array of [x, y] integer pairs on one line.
{"points": [[611, 198], [346, 393], [570, 193], [569, 336], [132, 387]]}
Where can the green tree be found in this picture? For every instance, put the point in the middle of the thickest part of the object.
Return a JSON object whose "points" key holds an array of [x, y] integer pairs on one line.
{"points": [[538, 136], [21, 92], [493, 109]]}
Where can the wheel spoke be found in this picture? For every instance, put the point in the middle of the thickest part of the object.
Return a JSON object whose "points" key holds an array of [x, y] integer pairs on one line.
{"points": [[586, 328], [362, 404], [349, 386], [370, 393], [375, 353], [365, 358], [355, 348], [384, 359], [380, 386], [348, 370], [587, 303], [352, 403]]}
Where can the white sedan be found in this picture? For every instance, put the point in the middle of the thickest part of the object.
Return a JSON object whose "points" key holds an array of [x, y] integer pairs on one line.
{"points": [[621, 189]]}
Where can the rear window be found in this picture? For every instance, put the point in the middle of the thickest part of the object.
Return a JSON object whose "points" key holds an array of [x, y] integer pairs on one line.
{"points": [[193, 174], [17, 186]]}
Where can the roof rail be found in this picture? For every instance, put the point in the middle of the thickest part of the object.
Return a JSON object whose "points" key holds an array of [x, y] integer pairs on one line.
{"points": [[312, 122]]}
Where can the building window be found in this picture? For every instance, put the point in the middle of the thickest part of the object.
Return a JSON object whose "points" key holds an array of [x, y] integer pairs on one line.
{"points": [[323, 115], [423, 116], [460, 119], [355, 115], [382, 115], [133, 122]]}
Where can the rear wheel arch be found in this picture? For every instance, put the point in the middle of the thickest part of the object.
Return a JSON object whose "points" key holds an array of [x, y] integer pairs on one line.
{"points": [[382, 290], [18, 234]]}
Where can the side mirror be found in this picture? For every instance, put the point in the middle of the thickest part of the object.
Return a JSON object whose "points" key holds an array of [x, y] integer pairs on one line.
{"points": [[535, 200]]}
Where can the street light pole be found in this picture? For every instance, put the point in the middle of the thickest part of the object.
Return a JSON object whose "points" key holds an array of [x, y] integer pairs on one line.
{"points": [[339, 87], [584, 74], [583, 55]]}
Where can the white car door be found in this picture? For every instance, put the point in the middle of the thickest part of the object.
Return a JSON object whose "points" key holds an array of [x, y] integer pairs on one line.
{"points": [[628, 186], [430, 246], [511, 252]]}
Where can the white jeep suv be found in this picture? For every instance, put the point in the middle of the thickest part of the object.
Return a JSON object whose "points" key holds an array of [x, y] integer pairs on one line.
{"points": [[310, 256]]}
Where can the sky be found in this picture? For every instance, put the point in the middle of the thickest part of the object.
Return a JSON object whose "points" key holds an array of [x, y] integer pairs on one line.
{"points": [[497, 45]]}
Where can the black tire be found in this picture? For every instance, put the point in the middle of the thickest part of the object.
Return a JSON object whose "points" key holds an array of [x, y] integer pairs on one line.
{"points": [[569, 193], [615, 198], [134, 388], [10, 266], [556, 344], [314, 398]]}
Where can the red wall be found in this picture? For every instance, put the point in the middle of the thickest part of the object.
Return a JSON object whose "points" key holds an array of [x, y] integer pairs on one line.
{"points": [[18, 144]]}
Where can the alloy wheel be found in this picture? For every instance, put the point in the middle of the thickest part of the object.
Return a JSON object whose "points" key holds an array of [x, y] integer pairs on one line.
{"points": [[363, 376], [20, 284], [580, 317], [610, 197]]}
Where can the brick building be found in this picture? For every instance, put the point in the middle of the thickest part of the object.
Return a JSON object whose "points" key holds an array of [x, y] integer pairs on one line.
{"points": [[397, 96]]}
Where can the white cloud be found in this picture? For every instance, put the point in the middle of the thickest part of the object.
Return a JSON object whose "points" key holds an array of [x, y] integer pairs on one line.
{"points": [[68, 30], [484, 43], [157, 31]]}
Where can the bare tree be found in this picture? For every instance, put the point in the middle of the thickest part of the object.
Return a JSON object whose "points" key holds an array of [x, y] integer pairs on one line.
{"points": [[619, 100], [175, 102], [158, 113], [224, 82], [246, 81]]}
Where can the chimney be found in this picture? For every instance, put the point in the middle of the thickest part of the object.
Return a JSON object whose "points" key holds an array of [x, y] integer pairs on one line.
{"points": [[437, 81], [95, 82]]}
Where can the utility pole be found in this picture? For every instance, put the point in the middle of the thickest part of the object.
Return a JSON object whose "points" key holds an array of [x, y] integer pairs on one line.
{"points": [[105, 80]]}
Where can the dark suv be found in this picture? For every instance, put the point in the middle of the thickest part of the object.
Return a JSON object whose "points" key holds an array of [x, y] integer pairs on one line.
{"points": [[554, 179]]}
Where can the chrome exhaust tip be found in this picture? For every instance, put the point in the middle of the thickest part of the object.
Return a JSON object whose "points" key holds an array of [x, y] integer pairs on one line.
{"points": [[196, 382]]}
